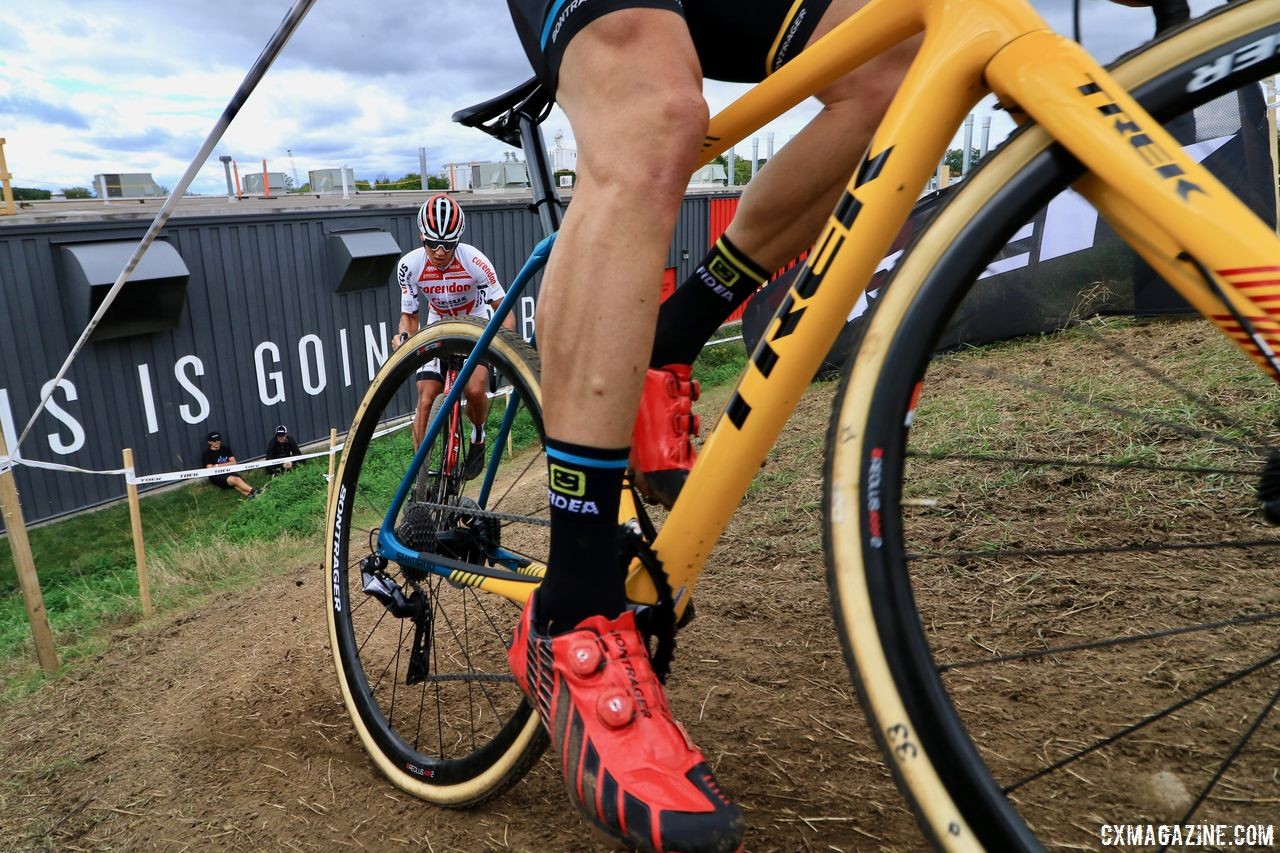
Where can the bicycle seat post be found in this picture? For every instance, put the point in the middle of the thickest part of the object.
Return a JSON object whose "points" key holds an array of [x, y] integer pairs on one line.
{"points": [[546, 201]]}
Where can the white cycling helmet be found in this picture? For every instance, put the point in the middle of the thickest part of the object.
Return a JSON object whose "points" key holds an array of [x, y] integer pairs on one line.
{"points": [[441, 221]]}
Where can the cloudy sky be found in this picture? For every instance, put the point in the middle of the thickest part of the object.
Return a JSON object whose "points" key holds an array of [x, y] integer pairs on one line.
{"points": [[136, 85]]}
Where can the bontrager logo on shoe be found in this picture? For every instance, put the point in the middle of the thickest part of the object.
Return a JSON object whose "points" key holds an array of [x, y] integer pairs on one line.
{"points": [[632, 681]]}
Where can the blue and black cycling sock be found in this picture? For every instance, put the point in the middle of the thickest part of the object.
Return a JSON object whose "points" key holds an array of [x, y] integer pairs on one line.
{"points": [[724, 280], [584, 574]]}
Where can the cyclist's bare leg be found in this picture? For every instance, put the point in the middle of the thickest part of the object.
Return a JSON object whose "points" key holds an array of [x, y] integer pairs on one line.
{"points": [[476, 393], [631, 85], [428, 390], [785, 205]]}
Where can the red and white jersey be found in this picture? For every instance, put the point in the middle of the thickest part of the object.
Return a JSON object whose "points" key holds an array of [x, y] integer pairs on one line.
{"points": [[467, 284]]}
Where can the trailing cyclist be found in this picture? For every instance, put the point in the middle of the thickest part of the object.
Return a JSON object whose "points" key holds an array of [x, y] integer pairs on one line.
{"points": [[457, 280]]}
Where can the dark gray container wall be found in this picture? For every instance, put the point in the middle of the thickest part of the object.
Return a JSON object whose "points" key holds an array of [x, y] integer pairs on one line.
{"points": [[263, 339]]}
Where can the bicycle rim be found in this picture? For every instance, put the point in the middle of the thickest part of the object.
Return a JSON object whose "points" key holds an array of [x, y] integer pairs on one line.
{"points": [[424, 675], [1029, 538]]}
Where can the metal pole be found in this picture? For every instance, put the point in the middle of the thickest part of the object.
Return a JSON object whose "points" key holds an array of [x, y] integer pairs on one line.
{"points": [[985, 137], [102, 194], [260, 65], [422, 167], [226, 167], [768, 149], [966, 158], [345, 192], [755, 156], [730, 156]]}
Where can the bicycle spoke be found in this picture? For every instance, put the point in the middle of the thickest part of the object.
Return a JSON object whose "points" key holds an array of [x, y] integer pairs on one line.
{"points": [[1113, 641], [1231, 758], [1111, 549], [1164, 379], [1038, 462], [1121, 411], [1146, 721], [424, 660]]}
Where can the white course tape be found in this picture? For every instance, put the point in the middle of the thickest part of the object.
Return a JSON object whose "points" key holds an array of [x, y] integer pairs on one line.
{"points": [[16, 459], [198, 473], [8, 462]]}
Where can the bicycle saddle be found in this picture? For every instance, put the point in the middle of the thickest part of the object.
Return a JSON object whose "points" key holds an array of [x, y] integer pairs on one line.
{"points": [[499, 117]]}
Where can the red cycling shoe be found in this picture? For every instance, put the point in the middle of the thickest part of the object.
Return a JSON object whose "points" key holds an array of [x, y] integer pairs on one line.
{"points": [[661, 445], [629, 767]]}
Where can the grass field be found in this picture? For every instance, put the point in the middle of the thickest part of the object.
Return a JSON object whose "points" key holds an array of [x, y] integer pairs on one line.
{"points": [[200, 540]]}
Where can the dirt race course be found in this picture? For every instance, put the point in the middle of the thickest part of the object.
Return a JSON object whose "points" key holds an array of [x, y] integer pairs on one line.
{"points": [[223, 728]]}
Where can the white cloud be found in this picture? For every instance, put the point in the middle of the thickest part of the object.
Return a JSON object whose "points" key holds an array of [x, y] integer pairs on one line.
{"points": [[136, 85]]}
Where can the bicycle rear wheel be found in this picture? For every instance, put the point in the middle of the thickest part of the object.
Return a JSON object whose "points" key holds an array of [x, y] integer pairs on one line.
{"points": [[1048, 565], [420, 655]]}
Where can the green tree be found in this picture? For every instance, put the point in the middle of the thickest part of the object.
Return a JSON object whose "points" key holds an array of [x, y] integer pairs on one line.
{"points": [[955, 159], [77, 192], [570, 172], [741, 168], [437, 183], [30, 194]]}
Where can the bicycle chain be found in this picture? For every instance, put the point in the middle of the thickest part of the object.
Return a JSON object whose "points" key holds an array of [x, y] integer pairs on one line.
{"points": [[485, 513]]}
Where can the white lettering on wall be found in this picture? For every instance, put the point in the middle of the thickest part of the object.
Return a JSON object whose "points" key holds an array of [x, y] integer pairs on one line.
{"points": [[56, 444], [1014, 262], [1070, 223], [269, 397], [148, 398], [526, 318], [180, 373], [6, 421], [346, 357], [312, 384], [375, 348]]}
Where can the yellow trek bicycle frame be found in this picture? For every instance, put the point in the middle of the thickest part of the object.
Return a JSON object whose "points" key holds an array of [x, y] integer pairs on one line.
{"points": [[1171, 210]]}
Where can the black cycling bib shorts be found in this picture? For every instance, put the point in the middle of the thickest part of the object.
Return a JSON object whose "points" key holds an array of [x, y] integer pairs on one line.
{"points": [[740, 41]]}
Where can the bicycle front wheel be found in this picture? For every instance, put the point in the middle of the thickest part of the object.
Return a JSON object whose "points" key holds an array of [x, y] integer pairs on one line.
{"points": [[1047, 560], [421, 655]]}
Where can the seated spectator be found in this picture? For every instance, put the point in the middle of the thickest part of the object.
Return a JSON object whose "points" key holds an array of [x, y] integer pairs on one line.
{"points": [[218, 455], [282, 446]]}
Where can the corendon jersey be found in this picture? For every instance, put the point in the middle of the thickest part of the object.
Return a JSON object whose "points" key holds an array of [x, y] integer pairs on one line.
{"points": [[463, 288]]}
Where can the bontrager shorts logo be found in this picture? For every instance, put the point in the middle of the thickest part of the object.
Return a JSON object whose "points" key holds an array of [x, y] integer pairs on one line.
{"points": [[784, 49], [568, 482]]}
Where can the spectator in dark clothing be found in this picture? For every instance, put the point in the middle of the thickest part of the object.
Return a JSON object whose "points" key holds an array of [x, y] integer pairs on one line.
{"points": [[282, 446], [218, 455]]}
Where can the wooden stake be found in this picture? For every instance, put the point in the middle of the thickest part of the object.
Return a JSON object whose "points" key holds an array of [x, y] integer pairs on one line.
{"points": [[139, 548], [1269, 86], [16, 528]]}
